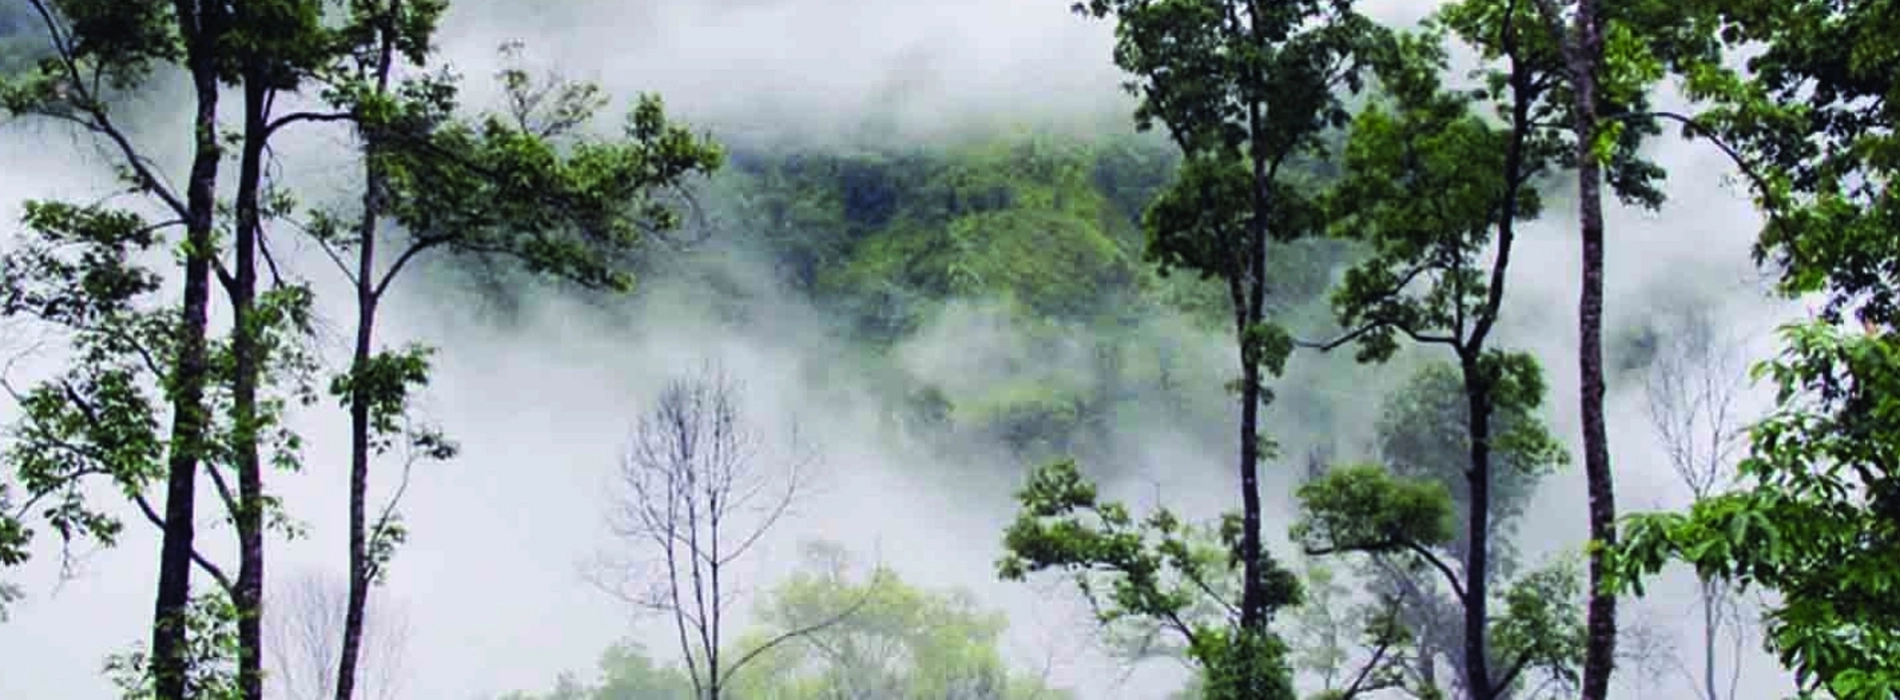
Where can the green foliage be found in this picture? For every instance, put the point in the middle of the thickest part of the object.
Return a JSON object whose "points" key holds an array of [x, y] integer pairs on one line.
{"points": [[566, 208], [1428, 181], [626, 673], [902, 642], [1813, 521], [1541, 627], [1155, 571], [211, 651], [1816, 521], [898, 641], [1809, 123], [1328, 620], [1364, 508], [97, 417], [1423, 433]]}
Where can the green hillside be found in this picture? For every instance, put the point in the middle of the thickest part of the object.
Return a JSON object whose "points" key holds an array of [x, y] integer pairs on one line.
{"points": [[1036, 230]]}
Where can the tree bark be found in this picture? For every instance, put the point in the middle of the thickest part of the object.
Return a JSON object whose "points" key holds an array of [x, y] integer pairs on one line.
{"points": [[1586, 48], [247, 366], [1253, 604], [189, 419], [367, 299], [1479, 402], [1250, 312]]}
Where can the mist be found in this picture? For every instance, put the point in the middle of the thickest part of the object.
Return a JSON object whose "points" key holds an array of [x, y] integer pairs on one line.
{"points": [[542, 400]]}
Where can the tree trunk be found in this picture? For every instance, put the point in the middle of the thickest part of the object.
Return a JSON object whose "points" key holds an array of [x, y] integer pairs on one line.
{"points": [[1586, 48], [1253, 604], [367, 298], [1478, 399], [247, 370], [359, 451], [1710, 590], [188, 373]]}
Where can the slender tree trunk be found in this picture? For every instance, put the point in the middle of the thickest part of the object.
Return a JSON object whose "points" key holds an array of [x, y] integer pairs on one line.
{"points": [[1251, 311], [1479, 403], [1586, 49], [353, 615], [247, 369], [367, 298], [1709, 628], [187, 383]]}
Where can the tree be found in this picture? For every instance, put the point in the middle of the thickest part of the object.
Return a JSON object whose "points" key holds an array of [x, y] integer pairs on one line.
{"points": [[98, 49], [562, 208], [693, 492], [305, 632], [1423, 436], [1813, 518], [1691, 388], [521, 185], [1427, 183], [903, 642], [1157, 573], [1246, 90]]}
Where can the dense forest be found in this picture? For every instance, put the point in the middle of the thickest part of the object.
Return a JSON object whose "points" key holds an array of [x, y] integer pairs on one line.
{"points": [[1484, 349]]}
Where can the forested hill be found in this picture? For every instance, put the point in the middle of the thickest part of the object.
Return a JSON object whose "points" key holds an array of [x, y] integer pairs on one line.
{"points": [[1035, 228]]}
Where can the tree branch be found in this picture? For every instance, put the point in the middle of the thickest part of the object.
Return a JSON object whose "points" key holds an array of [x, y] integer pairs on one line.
{"points": [[1359, 681], [295, 117], [217, 574], [810, 629], [1427, 555], [415, 248], [101, 123], [1694, 128], [1510, 677]]}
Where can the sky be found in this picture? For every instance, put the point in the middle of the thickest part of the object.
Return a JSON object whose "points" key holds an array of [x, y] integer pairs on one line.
{"points": [[492, 578]]}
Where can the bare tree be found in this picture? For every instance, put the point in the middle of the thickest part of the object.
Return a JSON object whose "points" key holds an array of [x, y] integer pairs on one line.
{"points": [[305, 624], [695, 495], [1692, 387]]}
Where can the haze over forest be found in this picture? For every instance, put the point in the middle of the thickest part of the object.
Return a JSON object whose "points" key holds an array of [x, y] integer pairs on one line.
{"points": [[916, 256]]}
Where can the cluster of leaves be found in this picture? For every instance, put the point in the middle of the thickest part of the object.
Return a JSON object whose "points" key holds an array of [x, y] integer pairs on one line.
{"points": [[899, 641], [1158, 570], [98, 417], [1364, 508], [211, 645]]}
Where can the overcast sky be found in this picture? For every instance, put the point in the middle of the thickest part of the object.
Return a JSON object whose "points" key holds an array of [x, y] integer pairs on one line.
{"points": [[491, 575]]}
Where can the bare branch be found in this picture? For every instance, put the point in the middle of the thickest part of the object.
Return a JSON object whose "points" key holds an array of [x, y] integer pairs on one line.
{"points": [[217, 574], [808, 630]]}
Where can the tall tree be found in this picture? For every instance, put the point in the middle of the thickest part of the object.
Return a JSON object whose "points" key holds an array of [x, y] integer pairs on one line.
{"points": [[1430, 185], [96, 51], [498, 185], [1246, 89], [522, 184], [1584, 56]]}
